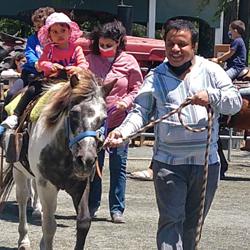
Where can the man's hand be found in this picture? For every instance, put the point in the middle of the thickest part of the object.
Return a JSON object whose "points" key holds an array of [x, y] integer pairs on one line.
{"points": [[113, 140], [200, 98]]}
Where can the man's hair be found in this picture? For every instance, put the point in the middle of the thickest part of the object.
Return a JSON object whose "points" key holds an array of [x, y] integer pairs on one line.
{"points": [[180, 24], [113, 30], [239, 26], [41, 14]]}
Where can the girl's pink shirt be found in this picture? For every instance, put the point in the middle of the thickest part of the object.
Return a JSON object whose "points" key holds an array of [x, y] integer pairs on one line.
{"points": [[71, 56], [126, 69]]}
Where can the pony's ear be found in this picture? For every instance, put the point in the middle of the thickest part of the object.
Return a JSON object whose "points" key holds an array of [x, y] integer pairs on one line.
{"points": [[74, 80], [108, 87]]}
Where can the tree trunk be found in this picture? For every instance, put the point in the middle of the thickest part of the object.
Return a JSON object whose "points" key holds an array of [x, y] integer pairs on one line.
{"points": [[230, 14], [206, 40]]}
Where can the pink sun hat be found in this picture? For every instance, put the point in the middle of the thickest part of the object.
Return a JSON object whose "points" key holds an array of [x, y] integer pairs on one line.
{"points": [[58, 17]]}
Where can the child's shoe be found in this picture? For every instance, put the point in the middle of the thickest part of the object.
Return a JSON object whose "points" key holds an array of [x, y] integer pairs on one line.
{"points": [[10, 122]]}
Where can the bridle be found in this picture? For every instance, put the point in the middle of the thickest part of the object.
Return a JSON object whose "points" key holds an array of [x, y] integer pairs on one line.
{"points": [[72, 140], [81, 136]]}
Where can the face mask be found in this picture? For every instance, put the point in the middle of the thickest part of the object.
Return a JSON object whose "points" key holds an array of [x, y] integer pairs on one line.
{"points": [[181, 69], [229, 34], [108, 53]]}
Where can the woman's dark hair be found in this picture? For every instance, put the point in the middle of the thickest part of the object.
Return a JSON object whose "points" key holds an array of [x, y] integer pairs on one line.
{"points": [[180, 24], [41, 14], [239, 26], [113, 30], [17, 57]]}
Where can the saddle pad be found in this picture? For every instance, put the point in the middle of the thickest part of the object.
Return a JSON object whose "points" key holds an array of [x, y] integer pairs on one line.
{"points": [[37, 109], [10, 107], [43, 100]]}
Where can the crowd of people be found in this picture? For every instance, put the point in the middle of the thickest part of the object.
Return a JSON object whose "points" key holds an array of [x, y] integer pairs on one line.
{"points": [[178, 155]]}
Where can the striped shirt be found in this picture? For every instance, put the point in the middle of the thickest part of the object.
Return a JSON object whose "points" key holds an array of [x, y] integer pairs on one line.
{"points": [[162, 92]]}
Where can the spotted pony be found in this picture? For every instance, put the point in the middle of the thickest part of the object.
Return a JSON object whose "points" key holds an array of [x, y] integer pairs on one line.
{"points": [[62, 152]]}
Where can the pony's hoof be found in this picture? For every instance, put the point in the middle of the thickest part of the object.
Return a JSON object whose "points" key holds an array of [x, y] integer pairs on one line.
{"points": [[36, 214], [24, 246]]}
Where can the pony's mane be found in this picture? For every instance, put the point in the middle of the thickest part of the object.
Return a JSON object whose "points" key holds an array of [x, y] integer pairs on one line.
{"points": [[67, 94]]}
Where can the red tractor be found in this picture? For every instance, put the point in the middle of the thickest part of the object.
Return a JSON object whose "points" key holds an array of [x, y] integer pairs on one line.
{"points": [[149, 52]]}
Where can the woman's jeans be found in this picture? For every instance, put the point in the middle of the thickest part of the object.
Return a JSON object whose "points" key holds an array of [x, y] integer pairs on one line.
{"points": [[178, 189], [117, 167]]}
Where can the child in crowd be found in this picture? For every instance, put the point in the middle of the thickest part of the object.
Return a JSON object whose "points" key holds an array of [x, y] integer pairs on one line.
{"points": [[33, 48], [14, 72], [58, 36], [13, 75], [236, 56]]}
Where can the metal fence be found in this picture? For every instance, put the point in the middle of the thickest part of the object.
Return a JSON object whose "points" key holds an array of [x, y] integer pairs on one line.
{"points": [[230, 139]]}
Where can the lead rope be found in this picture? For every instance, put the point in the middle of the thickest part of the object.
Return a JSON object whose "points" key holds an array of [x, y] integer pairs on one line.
{"points": [[205, 172]]}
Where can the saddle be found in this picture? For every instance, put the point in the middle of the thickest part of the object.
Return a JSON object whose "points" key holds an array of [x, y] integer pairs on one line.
{"points": [[17, 141], [241, 119]]}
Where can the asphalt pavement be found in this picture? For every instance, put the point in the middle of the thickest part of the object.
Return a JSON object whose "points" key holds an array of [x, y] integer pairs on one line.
{"points": [[227, 226]]}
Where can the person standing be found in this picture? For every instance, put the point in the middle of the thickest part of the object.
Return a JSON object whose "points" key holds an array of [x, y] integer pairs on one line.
{"points": [[109, 61], [178, 159]]}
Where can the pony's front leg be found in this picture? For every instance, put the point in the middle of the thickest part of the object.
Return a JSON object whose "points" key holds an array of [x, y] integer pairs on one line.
{"points": [[83, 219], [22, 196], [48, 196]]}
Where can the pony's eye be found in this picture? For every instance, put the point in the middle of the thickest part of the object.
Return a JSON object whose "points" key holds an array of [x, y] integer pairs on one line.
{"points": [[88, 98], [74, 119]]}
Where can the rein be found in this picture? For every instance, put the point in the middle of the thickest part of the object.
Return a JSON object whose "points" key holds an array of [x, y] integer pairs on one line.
{"points": [[205, 172]]}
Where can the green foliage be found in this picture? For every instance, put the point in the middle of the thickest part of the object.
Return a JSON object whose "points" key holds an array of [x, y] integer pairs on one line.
{"points": [[14, 27], [221, 6], [139, 30], [88, 25]]}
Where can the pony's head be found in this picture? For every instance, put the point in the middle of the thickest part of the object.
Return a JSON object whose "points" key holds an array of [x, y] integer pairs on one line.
{"points": [[81, 103]]}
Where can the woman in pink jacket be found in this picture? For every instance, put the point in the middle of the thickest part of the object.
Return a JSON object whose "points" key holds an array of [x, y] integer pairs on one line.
{"points": [[108, 61]]}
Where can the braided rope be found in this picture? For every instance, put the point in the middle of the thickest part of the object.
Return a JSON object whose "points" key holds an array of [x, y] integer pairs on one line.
{"points": [[204, 184], [205, 172]]}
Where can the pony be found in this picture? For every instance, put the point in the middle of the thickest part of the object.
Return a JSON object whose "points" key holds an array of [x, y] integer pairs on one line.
{"points": [[62, 152]]}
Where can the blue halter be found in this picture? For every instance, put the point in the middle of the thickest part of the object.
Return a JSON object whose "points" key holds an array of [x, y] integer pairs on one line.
{"points": [[80, 136]]}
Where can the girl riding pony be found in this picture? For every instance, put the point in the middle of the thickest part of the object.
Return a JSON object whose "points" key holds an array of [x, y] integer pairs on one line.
{"points": [[60, 53]]}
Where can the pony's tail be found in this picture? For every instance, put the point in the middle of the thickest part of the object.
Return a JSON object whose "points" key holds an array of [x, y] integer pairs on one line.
{"points": [[7, 185]]}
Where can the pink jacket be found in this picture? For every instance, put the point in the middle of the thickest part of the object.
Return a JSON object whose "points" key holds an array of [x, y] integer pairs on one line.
{"points": [[72, 56], [127, 71]]}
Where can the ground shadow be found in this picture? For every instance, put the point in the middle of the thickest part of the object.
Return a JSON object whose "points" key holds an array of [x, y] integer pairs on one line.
{"points": [[65, 217], [10, 213], [99, 219], [8, 248], [235, 178]]}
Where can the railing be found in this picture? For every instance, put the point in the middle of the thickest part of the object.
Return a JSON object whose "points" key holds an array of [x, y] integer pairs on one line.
{"points": [[229, 137]]}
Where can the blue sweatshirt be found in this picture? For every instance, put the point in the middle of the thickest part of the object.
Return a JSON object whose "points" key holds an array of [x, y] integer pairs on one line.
{"points": [[33, 52]]}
